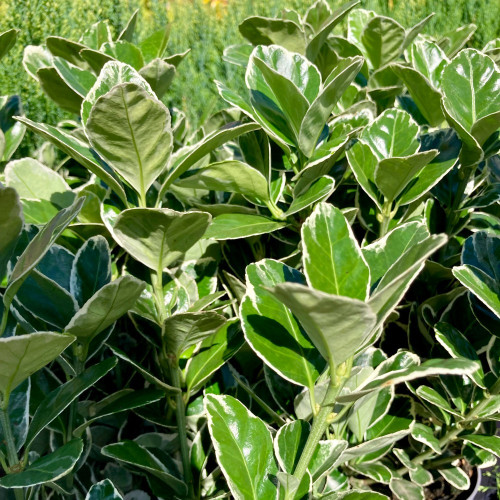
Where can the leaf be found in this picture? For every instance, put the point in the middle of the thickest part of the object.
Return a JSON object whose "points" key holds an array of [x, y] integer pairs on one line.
{"points": [[183, 330], [168, 389], [18, 415], [58, 90], [13, 131], [113, 73], [232, 176], [271, 329], [318, 113], [125, 52], [213, 353], [23, 355], [7, 40], [140, 150], [159, 75], [392, 134], [326, 456], [384, 252], [11, 225], [456, 477], [130, 400], [60, 398], [457, 345], [337, 325], [383, 40], [318, 191], [155, 45], [103, 490], [425, 435], [35, 181], [376, 471], [432, 396], [157, 237], [265, 31], [333, 261], [132, 453], [48, 468], [38, 247], [202, 148], [234, 226], [91, 269], [127, 32], [392, 175], [429, 368], [243, 447], [488, 443], [67, 49], [406, 490], [471, 100], [373, 445], [76, 150], [107, 305], [289, 444], [78, 80]]}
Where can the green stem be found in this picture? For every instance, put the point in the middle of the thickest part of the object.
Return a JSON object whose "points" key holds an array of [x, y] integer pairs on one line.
{"points": [[180, 413], [386, 217], [320, 424], [11, 447], [5, 317]]}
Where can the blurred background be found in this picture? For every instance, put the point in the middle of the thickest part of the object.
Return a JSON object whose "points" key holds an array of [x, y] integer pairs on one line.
{"points": [[205, 26]]}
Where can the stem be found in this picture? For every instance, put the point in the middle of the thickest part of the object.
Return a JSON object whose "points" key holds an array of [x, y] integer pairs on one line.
{"points": [[386, 218], [180, 413], [11, 448], [5, 317], [320, 423]]}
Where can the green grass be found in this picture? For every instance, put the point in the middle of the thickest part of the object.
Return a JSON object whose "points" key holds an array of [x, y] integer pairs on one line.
{"points": [[197, 26]]}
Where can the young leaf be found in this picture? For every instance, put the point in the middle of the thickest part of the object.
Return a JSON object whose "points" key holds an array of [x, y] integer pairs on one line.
{"points": [[488, 443], [107, 305], [11, 225], [103, 490], [271, 329], [406, 490], [457, 477], [333, 261], [23, 355], [289, 444], [157, 237], [138, 152], [337, 325], [48, 468], [243, 447]]}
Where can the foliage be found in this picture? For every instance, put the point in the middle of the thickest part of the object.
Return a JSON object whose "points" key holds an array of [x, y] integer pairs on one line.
{"points": [[299, 299]]}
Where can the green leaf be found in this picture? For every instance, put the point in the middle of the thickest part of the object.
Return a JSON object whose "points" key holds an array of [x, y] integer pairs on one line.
{"points": [[384, 252], [289, 444], [488, 443], [406, 490], [159, 75], [13, 131], [79, 80], [318, 113], [23, 355], [107, 305], [58, 90], [378, 472], [337, 325], [243, 447], [67, 49], [129, 400], [155, 45], [112, 73], [48, 468], [271, 329], [234, 226], [471, 100], [127, 32], [38, 247], [333, 261], [125, 52], [265, 31], [238, 54], [139, 151], [11, 225], [103, 490], [131, 453], [425, 435], [35, 181], [76, 150], [326, 456], [201, 149], [429, 368], [232, 176], [457, 345], [96, 34], [7, 40], [318, 191], [432, 396], [157, 237], [373, 445], [60, 398], [183, 330], [355, 495], [213, 353], [457, 477], [392, 134], [392, 175], [383, 40], [91, 269]]}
